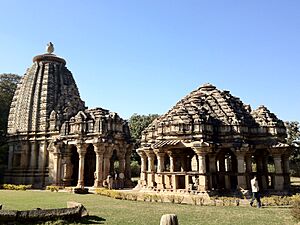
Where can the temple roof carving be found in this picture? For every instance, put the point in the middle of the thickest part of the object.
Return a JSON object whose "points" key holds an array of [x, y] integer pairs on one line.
{"points": [[46, 86], [208, 110]]}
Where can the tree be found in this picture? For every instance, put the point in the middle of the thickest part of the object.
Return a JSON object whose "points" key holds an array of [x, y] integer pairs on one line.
{"points": [[137, 123], [293, 138], [8, 85]]}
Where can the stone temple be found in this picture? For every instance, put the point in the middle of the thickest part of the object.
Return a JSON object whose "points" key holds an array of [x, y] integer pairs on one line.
{"points": [[55, 139], [211, 141]]}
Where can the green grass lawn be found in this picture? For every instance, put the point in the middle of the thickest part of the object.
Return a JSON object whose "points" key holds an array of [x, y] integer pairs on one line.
{"points": [[104, 210]]}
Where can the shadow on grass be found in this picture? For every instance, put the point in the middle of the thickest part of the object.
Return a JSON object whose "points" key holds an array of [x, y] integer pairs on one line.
{"points": [[84, 220], [92, 220]]}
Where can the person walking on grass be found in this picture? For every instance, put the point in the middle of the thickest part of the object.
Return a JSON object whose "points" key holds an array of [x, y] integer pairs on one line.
{"points": [[255, 192]]}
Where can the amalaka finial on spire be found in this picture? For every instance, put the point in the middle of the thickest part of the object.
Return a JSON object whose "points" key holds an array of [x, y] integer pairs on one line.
{"points": [[50, 48]]}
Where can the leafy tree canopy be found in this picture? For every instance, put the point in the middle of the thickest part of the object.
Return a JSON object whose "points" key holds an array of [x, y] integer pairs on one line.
{"points": [[137, 123], [8, 85], [293, 138]]}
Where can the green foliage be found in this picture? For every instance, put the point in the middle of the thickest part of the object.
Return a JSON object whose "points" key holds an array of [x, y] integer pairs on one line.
{"points": [[147, 197], [132, 197], [296, 207], [114, 211], [138, 123], [171, 198], [197, 200], [8, 85], [116, 194], [20, 187], [293, 138], [53, 188], [135, 169], [179, 199]]}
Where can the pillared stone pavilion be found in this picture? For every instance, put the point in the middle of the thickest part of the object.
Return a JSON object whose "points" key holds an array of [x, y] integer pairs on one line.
{"points": [[210, 140]]}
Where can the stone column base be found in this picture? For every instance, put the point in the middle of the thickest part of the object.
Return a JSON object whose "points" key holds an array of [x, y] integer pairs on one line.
{"points": [[80, 184], [202, 183], [98, 183]]}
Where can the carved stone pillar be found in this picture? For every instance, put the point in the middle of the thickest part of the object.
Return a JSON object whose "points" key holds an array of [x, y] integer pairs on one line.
{"points": [[279, 179], [203, 184], [261, 172], [160, 168], [286, 171], [143, 178], [151, 169], [122, 163], [33, 155], [68, 170], [213, 171], [45, 155], [10, 156], [160, 162], [56, 171], [248, 159], [99, 150], [127, 166], [56, 162], [172, 163], [25, 151], [81, 149], [241, 170]]}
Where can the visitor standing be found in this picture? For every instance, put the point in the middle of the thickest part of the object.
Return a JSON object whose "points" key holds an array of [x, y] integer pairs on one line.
{"points": [[255, 192]]}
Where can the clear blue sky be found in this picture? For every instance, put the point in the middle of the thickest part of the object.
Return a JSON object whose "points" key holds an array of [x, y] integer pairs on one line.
{"points": [[142, 56]]}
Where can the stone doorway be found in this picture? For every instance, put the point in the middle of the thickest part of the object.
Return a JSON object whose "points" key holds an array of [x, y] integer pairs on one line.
{"points": [[75, 165], [89, 166]]}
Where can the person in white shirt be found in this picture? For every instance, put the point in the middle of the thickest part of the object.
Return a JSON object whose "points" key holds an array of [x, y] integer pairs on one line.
{"points": [[255, 192]]}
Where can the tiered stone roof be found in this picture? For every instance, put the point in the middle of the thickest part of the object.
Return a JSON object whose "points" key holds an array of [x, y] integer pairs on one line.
{"points": [[106, 124], [47, 86], [209, 114]]}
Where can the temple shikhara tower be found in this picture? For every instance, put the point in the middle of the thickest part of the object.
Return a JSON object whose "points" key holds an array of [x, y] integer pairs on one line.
{"points": [[55, 139], [211, 141]]}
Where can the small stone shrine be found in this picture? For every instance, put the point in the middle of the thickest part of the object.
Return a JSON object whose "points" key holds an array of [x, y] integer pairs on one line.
{"points": [[55, 139], [211, 141]]}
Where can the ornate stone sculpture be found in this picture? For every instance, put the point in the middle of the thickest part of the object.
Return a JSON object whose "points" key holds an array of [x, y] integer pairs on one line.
{"points": [[50, 48]]}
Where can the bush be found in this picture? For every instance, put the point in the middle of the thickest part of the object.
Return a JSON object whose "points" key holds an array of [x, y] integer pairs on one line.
{"points": [[214, 200], [147, 197], [155, 198], [132, 197], [20, 187], [197, 200], [296, 207], [107, 193], [194, 199], [179, 199], [277, 200], [171, 198], [230, 201], [53, 188]]}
